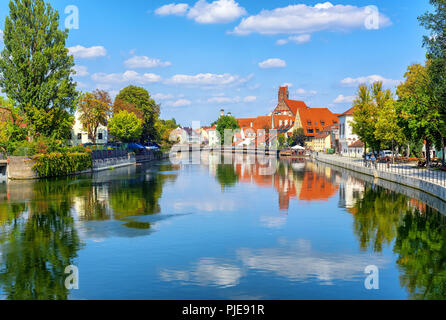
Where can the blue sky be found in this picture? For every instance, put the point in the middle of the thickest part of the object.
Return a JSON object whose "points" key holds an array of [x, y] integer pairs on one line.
{"points": [[197, 57]]}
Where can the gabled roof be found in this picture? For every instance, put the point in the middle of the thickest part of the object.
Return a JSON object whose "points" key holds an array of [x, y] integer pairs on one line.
{"points": [[316, 119], [357, 144], [349, 112], [295, 105]]}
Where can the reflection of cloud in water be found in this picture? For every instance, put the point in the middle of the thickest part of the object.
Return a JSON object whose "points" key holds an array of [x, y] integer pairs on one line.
{"points": [[298, 262], [294, 260], [211, 205], [273, 222], [207, 272]]}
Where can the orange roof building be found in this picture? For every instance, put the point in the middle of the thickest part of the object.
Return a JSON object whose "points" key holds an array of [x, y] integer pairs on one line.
{"points": [[312, 120]]}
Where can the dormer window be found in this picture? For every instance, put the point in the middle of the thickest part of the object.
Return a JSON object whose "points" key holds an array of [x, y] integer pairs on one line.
{"points": [[309, 123]]}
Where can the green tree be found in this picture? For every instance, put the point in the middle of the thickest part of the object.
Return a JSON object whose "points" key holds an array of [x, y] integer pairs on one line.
{"points": [[418, 108], [35, 68], [436, 48], [139, 98], [387, 129], [164, 128], [298, 138], [125, 126], [365, 116], [94, 110], [226, 176], [226, 123]]}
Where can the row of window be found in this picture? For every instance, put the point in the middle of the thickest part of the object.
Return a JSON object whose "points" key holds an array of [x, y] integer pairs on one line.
{"points": [[322, 123], [79, 136]]}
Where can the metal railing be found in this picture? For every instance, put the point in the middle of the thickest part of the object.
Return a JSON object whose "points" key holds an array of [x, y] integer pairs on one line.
{"points": [[108, 154], [400, 167]]}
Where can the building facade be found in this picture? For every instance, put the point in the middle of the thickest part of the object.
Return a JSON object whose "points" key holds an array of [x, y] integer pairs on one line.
{"points": [[80, 136]]}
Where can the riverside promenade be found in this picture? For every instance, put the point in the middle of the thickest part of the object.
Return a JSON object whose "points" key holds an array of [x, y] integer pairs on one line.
{"points": [[431, 181]]}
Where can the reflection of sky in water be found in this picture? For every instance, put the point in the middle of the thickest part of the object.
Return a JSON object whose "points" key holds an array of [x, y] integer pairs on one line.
{"points": [[209, 232]]}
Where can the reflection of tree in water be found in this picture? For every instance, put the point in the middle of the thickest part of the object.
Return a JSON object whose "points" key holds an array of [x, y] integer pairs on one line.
{"points": [[37, 246], [226, 175], [421, 249], [377, 216]]}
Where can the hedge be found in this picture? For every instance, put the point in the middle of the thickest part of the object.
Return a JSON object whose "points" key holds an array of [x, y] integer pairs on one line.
{"points": [[61, 164]]}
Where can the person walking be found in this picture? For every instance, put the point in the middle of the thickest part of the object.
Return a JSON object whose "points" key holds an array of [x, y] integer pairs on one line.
{"points": [[373, 159]]}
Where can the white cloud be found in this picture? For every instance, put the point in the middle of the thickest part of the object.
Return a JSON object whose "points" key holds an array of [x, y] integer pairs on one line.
{"points": [[250, 99], [305, 93], [304, 19], [272, 63], [344, 99], [173, 9], [354, 82], [179, 103], [225, 100], [81, 71], [207, 79], [145, 62], [1, 35], [289, 85], [304, 38], [128, 76], [87, 53], [219, 11], [162, 96]]}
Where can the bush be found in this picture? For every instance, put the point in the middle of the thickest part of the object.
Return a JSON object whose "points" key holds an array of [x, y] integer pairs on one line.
{"points": [[61, 164]]}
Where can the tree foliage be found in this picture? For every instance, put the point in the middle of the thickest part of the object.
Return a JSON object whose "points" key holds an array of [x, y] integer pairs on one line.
{"points": [[125, 126], [298, 138], [137, 100], [94, 110], [418, 108], [226, 123], [35, 68]]}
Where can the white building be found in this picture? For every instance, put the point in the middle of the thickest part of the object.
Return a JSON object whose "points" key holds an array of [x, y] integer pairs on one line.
{"points": [[350, 144], [80, 136]]}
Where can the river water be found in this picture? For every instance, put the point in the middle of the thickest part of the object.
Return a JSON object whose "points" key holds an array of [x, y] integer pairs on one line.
{"points": [[219, 229]]}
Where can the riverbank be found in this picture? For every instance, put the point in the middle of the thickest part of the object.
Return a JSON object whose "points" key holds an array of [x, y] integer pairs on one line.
{"points": [[21, 168], [411, 178]]}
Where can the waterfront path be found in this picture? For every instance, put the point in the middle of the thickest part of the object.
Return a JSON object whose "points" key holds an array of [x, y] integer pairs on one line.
{"points": [[432, 181]]}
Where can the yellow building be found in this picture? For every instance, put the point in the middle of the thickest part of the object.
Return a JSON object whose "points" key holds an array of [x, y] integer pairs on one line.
{"points": [[322, 142]]}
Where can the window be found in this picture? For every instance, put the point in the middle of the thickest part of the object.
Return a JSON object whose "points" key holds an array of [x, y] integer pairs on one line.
{"points": [[310, 130], [79, 136], [315, 123], [322, 123], [309, 123], [100, 136], [317, 130]]}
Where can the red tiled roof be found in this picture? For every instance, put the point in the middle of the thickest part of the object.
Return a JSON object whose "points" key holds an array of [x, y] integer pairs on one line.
{"points": [[349, 112], [316, 119], [357, 144], [322, 135], [295, 105]]}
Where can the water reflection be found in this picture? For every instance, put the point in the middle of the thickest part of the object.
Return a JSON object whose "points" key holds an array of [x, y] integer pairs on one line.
{"points": [[340, 224], [41, 224], [292, 180]]}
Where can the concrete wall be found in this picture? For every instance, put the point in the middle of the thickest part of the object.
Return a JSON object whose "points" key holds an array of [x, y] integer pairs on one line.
{"points": [[428, 187], [20, 168]]}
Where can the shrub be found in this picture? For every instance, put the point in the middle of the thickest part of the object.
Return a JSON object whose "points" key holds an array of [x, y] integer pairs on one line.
{"points": [[60, 164]]}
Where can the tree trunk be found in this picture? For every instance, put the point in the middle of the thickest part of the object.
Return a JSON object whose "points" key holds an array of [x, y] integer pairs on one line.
{"points": [[408, 150], [442, 151], [393, 152], [428, 153]]}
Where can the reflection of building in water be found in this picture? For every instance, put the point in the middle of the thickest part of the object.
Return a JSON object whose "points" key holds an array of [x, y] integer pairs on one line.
{"points": [[350, 191], [293, 181]]}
